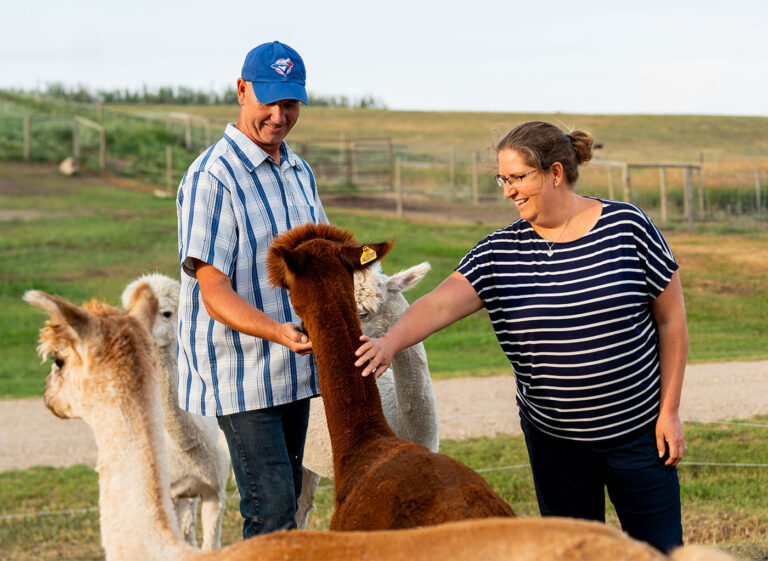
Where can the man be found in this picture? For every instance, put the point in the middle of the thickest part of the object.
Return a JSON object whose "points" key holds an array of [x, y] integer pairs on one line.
{"points": [[241, 355]]}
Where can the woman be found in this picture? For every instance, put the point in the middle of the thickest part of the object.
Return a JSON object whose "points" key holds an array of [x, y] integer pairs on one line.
{"points": [[586, 302]]}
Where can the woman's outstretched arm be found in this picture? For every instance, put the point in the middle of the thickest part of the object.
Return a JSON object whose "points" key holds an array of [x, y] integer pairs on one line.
{"points": [[451, 301]]}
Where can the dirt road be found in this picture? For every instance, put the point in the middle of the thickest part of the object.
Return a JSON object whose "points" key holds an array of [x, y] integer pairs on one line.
{"points": [[468, 407]]}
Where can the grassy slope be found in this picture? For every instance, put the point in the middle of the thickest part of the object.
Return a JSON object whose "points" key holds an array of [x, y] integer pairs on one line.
{"points": [[89, 240], [721, 505], [638, 138]]}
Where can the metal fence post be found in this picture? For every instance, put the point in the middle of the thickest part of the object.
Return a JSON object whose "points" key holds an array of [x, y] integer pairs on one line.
{"points": [[701, 185], [27, 142], [452, 168], [102, 150], [188, 132], [475, 158], [611, 195], [391, 164], [663, 194], [689, 195], [75, 140], [399, 186], [168, 167], [627, 184]]}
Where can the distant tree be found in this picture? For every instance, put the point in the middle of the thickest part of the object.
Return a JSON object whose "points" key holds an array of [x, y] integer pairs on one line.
{"points": [[186, 96]]}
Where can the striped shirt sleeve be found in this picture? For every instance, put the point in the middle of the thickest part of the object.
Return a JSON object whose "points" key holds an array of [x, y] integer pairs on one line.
{"points": [[207, 225], [655, 256]]}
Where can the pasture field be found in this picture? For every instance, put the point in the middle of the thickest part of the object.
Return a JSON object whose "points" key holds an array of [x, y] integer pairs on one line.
{"points": [[437, 149], [83, 238], [724, 506], [636, 138]]}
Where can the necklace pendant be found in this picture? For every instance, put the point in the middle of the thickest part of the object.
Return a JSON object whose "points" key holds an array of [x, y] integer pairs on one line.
{"points": [[549, 253]]}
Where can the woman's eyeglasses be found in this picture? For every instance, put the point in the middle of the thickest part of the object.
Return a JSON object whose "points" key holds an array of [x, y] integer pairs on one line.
{"points": [[512, 179]]}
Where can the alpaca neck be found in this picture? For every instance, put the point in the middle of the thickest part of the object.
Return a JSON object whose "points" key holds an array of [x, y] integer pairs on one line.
{"points": [[179, 425], [352, 403], [134, 499], [413, 385]]}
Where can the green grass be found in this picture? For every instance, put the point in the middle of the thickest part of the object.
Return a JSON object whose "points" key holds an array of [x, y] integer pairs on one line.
{"points": [[721, 505], [85, 239]]}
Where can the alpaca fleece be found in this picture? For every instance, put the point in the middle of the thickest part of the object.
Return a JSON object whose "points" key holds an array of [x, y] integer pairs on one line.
{"points": [[104, 372], [382, 481]]}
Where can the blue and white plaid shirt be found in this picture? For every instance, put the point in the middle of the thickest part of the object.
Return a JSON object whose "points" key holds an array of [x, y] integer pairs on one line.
{"points": [[231, 202]]}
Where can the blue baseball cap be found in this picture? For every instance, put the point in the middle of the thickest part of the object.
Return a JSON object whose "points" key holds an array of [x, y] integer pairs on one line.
{"points": [[276, 72]]}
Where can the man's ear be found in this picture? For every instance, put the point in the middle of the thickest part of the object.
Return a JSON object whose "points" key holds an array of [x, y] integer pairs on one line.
{"points": [[361, 256], [242, 90]]}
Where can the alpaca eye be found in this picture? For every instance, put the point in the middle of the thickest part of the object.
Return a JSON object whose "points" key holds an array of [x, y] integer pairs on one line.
{"points": [[58, 362], [167, 315], [364, 315]]}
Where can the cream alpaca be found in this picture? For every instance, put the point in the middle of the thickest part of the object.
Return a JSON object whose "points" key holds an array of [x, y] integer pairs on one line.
{"points": [[198, 458], [104, 372]]}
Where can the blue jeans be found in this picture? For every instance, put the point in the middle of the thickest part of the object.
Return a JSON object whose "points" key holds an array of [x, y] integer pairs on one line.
{"points": [[267, 448], [570, 478]]}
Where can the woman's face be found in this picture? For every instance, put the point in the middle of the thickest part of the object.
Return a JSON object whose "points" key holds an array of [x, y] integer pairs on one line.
{"points": [[531, 194]]}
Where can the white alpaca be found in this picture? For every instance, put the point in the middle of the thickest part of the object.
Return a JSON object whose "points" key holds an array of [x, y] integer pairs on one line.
{"points": [[104, 372], [197, 450], [406, 390]]}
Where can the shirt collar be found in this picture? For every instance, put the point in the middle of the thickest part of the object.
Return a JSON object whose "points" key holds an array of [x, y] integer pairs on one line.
{"points": [[251, 154]]}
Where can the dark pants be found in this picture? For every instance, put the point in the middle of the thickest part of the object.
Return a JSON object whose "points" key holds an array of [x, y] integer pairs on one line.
{"points": [[267, 447], [570, 477]]}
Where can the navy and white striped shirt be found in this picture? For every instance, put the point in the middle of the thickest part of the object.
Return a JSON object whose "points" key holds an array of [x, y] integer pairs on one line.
{"points": [[231, 202], [577, 327]]}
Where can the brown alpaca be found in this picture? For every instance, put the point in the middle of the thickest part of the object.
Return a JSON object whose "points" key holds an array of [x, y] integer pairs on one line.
{"points": [[104, 373], [382, 481]]}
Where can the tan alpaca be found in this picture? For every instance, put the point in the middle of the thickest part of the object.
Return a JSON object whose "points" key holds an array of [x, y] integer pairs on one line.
{"points": [[104, 372]]}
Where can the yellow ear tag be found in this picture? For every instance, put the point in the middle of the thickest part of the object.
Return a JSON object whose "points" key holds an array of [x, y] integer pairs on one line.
{"points": [[367, 255]]}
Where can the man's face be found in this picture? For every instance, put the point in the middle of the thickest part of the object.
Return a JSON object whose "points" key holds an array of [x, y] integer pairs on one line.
{"points": [[267, 124]]}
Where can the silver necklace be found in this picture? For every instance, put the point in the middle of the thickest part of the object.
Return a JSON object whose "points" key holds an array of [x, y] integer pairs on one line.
{"points": [[567, 218]]}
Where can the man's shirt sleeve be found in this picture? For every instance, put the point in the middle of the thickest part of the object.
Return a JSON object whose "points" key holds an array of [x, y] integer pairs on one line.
{"points": [[207, 224]]}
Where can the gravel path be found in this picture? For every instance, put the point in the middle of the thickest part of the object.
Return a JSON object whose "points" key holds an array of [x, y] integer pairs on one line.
{"points": [[468, 407]]}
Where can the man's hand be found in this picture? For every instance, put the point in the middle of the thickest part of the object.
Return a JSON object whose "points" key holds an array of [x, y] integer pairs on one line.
{"points": [[293, 338]]}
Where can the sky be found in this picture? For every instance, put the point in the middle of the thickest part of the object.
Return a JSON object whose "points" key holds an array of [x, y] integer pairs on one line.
{"points": [[587, 56]]}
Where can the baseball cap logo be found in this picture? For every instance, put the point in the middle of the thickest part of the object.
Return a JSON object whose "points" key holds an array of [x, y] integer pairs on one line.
{"points": [[283, 66]]}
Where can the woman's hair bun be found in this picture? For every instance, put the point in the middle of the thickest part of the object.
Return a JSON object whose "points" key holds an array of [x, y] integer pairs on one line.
{"points": [[582, 142]]}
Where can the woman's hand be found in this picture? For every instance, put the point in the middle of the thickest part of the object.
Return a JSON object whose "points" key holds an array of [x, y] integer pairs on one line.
{"points": [[376, 354], [669, 434]]}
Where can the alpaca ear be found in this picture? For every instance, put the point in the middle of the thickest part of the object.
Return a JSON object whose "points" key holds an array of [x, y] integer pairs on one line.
{"points": [[409, 278], [143, 306], [361, 256], [76, 318], [283, 264]]}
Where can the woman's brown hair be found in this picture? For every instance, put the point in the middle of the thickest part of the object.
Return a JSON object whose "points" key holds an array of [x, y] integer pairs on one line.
{"points": [[542, 144]]}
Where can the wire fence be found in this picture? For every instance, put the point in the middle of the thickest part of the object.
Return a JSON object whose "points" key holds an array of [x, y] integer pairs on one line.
{"points": [[235, 496]]}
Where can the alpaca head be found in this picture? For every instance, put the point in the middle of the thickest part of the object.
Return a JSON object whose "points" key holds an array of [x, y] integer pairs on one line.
{"points": [[314, 261], [166, 291], [97, 351], [379, 299]]}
